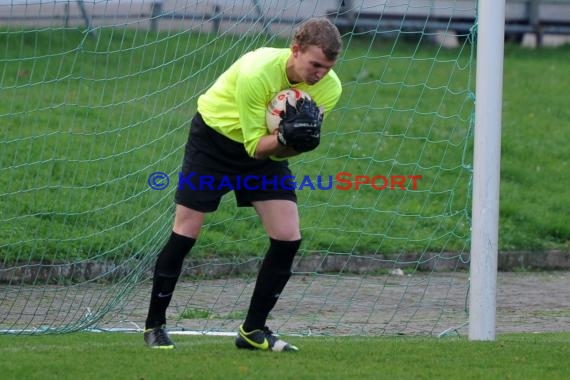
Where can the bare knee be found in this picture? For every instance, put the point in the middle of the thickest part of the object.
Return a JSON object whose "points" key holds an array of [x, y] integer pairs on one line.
{"points": [[285, 233], [280, 219], [188, 222]]}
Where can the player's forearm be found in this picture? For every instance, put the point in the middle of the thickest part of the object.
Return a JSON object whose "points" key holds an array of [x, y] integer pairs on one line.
{"points": [[270, 146]]}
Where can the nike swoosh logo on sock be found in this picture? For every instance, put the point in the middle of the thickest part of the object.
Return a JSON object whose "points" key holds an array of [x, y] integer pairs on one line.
{"points": [[162, 295]]}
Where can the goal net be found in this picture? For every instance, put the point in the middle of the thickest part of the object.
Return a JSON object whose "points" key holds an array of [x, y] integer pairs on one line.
{"points": [[96, 100]]}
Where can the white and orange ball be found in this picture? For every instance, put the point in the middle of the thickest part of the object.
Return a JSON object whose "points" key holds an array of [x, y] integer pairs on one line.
{"points": [[277, 106]]}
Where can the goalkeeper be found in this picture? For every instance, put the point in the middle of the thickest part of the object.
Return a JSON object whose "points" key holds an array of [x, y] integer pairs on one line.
{"points": [[228, 138]]}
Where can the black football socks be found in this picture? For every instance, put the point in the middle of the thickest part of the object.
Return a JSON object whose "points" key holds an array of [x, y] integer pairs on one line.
{"points": [[273, 275], [166, 272]]}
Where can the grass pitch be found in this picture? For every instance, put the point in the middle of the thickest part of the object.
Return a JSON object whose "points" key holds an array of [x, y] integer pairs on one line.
{"points": [[123, 356]]}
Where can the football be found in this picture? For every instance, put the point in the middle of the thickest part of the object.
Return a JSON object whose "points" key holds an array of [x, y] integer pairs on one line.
{"points": [[277, 105]]}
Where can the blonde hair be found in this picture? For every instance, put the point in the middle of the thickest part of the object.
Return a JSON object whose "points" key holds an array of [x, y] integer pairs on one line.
{"points": [[319, 32]]}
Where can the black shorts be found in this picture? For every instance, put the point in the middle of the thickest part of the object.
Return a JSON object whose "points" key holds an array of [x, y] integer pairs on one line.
{"points": [[214, 165]]}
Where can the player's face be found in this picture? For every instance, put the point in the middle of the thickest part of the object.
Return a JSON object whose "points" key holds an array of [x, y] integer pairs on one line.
{"points": [[310, 65]]}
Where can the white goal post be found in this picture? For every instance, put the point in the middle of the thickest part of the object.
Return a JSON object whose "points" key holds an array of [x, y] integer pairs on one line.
{"points": [[486, 175]]}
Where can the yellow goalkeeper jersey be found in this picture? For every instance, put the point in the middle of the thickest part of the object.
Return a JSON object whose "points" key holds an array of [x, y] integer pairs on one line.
{"points": [[236, 103]]}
